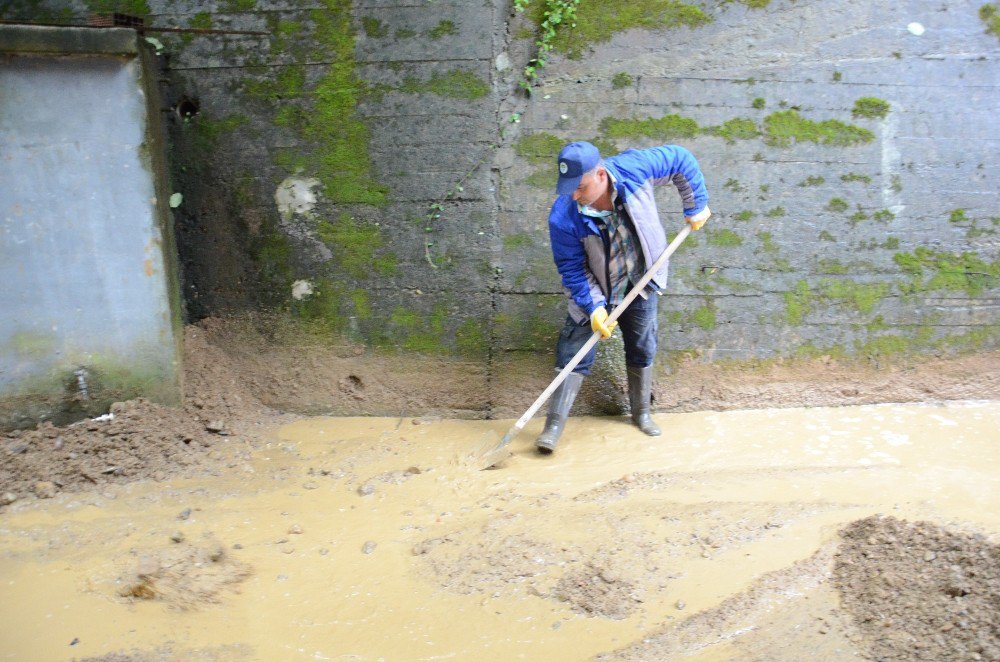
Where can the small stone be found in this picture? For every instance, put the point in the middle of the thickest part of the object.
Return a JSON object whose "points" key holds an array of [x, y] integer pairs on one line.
{"points": [[217, 554], [295, 529], [416, 421], [629, 478], [45, 489], [237, 546], [930, 556], [368, 547], [282, 578], [681, 604], [366, 489], [323, 551], [178, 537], [217, 427], [184, 514], [7, 498], [872, 540], [287, 550], [59, 443], [310, 485], [413, 471]]}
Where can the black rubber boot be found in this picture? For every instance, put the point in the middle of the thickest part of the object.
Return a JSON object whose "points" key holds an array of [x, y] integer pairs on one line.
{"points": [[640, 387], [559, 406]]}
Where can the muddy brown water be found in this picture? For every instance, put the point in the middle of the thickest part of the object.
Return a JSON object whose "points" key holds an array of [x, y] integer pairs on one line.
{"points": [[375, 538]]}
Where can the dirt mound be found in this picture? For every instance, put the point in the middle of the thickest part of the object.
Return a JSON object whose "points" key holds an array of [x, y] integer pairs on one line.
{"points": [[598, 592], [139, 439], [918, 591], [184, 575]]}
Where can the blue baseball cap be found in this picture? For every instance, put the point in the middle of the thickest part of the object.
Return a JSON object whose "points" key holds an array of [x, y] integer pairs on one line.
{"points": [[575, 159]]}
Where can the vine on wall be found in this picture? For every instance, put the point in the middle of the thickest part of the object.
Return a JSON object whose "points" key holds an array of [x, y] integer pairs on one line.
{"points": [[555, 13]]}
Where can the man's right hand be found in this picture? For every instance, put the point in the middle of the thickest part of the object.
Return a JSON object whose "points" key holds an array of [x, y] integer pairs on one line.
{"points": [[599, 323]]}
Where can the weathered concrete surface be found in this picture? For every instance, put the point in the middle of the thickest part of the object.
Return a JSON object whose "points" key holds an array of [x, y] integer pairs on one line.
{"points": [[438, 243], [90, 306]]}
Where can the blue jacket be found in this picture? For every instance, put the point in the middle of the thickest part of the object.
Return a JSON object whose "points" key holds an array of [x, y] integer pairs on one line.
{"points": [[577, 246]]}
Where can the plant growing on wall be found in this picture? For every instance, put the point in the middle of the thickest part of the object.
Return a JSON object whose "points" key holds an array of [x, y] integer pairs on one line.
{"points": [[555, 14]]}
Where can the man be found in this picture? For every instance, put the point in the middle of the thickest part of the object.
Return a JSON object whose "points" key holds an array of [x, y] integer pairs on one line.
{"points": [[606, 231]]}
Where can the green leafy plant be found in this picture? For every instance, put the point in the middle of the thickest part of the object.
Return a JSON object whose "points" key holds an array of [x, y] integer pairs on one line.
{"points": [[555, 13]]}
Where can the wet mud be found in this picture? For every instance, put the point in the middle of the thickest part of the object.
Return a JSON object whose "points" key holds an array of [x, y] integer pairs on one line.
{"points": [[855, 532]]}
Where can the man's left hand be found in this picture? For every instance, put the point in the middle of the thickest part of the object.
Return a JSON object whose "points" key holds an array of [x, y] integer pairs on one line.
{"points": [[698, 219]]}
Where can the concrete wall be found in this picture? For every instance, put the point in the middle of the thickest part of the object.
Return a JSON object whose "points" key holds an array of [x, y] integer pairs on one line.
{"points": [[372, 169], [89, 294]]}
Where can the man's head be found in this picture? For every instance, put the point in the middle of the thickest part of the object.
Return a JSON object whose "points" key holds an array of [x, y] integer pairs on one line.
{"points": [[576, 160]]}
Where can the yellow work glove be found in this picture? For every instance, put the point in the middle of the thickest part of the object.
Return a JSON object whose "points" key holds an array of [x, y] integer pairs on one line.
{"points": [[599, 323], [698, 219]]}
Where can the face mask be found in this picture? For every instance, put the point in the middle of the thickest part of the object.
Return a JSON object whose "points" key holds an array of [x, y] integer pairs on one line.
{"points": [[587, 210]]}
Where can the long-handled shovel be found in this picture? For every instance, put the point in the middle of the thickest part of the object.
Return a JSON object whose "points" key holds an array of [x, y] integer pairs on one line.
{"points": [[498, 453]]}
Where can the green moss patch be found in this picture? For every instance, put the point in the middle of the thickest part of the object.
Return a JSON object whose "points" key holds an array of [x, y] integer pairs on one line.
{"points": [[855, 177], [454, 84], [739, 128], [373, 27], [784, 127], [837, 205], [513, 242], [725, 238], [668, 127], [334, 139], [862, 296], [596, 21], [704, 318], [813, 180], [131, 7], [539, 147], [357, 247], [798, 303], [870, 107], [444, 28], [931, 270], [621, 80], [991, 17]]}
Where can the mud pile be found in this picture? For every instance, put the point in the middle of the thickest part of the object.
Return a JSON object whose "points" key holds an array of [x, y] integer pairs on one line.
{"points": [[140, 440], [918, 591]]}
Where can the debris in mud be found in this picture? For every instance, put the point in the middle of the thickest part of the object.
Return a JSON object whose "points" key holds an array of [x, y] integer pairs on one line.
{"points": [[597, 592], [184, 575], [918, 591]]}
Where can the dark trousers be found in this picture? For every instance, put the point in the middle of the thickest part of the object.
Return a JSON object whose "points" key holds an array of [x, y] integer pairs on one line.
{"points": [[638, 324]]}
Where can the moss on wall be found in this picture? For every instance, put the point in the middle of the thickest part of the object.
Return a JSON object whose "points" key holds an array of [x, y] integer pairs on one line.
{"points": [[798, 303], [668, 127], [785, 126], [725, 238], [991, 17], [597, 21], [861, 296], [931, 270], [357, 247], [454, 84], [871, 108]]}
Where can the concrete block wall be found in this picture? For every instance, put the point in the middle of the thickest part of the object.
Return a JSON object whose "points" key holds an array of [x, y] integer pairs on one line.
{"points": [[372, 169]]}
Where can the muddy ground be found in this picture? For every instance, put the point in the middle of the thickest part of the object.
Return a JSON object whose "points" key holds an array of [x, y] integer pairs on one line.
{"points": [[229, 530]]}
